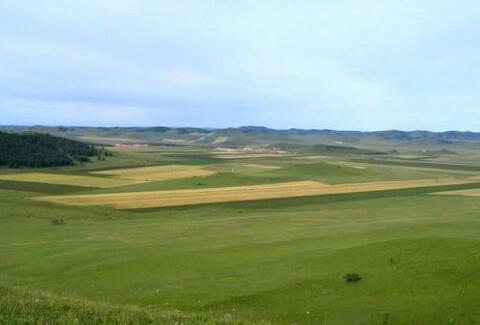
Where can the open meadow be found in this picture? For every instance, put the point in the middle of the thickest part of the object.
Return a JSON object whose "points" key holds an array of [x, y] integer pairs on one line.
{"points": [[239, 162], [188, 235]]}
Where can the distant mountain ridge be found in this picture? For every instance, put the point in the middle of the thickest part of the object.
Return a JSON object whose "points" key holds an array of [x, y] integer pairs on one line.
{"points": [[399, 134], [243, 135]]}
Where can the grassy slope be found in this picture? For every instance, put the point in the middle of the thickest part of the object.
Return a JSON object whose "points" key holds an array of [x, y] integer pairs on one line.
{"points": [[278, 260], [283, 262], [19, 306]]}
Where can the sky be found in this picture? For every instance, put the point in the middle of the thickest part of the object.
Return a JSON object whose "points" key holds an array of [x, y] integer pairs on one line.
{"points": [[337, 64]]}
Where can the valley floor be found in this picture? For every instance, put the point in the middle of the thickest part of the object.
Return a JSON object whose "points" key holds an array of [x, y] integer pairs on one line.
{"points": [[278, 261]]}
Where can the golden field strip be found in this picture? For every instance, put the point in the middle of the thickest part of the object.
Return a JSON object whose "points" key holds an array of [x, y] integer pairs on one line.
{"points": [[470, 192], [87, 181], [154, 199], [157, 173]]}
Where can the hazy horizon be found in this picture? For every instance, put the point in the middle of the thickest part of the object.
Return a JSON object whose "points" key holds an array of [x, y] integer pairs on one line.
{"points": [[345, 65], [228, 127]]}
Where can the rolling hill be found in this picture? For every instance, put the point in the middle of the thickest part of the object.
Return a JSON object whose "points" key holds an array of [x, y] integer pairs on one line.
{"points": [[258, 135]]}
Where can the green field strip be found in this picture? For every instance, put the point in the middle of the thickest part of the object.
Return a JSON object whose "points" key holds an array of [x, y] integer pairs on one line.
{"points": [[472, 168], [42, 188]]}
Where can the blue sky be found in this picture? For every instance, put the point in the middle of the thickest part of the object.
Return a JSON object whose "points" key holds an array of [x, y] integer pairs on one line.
{"points": [[358, 64]]}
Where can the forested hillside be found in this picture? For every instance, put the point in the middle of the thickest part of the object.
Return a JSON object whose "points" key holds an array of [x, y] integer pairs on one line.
{"points": [[42, 150]]}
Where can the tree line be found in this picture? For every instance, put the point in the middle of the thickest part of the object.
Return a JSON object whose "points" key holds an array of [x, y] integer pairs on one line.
{"points": [[37, 150]]}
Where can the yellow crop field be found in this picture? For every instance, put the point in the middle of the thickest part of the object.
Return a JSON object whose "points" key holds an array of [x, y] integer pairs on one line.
{"points": [[470, 192], [77, 180], [151, 199], [157, 173]]}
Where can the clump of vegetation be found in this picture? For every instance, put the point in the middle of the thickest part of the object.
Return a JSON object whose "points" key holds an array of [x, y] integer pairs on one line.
{"points": [[57, 222], [36, 150], [352, 277], [19, 306], [386, 318]]}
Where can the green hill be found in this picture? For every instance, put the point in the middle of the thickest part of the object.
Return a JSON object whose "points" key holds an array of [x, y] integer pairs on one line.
{"points": [[42, 150]]}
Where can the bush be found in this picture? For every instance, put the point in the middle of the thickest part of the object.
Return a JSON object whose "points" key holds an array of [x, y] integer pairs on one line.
{"points": [[352, 277]]}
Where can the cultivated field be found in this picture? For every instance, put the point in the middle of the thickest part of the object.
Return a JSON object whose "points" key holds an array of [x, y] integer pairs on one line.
{"points": [[248, 155], [261, 166], [470, 192], [76, 180], [152, 199], [158, 173]]}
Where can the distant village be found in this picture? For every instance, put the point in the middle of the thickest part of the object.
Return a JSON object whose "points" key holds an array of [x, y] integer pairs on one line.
{"points": [[131, 145], [252, 149]]}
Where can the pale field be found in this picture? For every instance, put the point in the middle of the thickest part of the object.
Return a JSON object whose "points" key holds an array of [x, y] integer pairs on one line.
{"points": [[406, 156], [87, 181], [460, 173], [261, 166], [107, 139], [220, 140], [157, 173], [359, 167], [153, 150], [470, 192], [248, 155], [312, 157], [154, 199], [175, 141], [346, 164]]}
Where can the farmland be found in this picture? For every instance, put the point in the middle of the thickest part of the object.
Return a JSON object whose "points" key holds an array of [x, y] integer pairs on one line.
{"points": [[179, 234], [469, 192], [139, 200], [158, 173], [86, 181]]}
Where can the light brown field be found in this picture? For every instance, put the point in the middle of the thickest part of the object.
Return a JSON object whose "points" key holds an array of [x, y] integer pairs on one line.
{"points": [[407, 156], [152, 199], [358, 167], [87, 181], [220, 140], [470, 192], [248, 155], [260, 166], [311, 157], [157, 173]]}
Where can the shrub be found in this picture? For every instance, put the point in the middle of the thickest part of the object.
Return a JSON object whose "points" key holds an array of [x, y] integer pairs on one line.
{"points": [[352, 277]]}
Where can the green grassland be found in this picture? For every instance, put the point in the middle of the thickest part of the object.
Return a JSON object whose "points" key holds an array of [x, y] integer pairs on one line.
{"points": [[271, 261], [21, 306]]}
